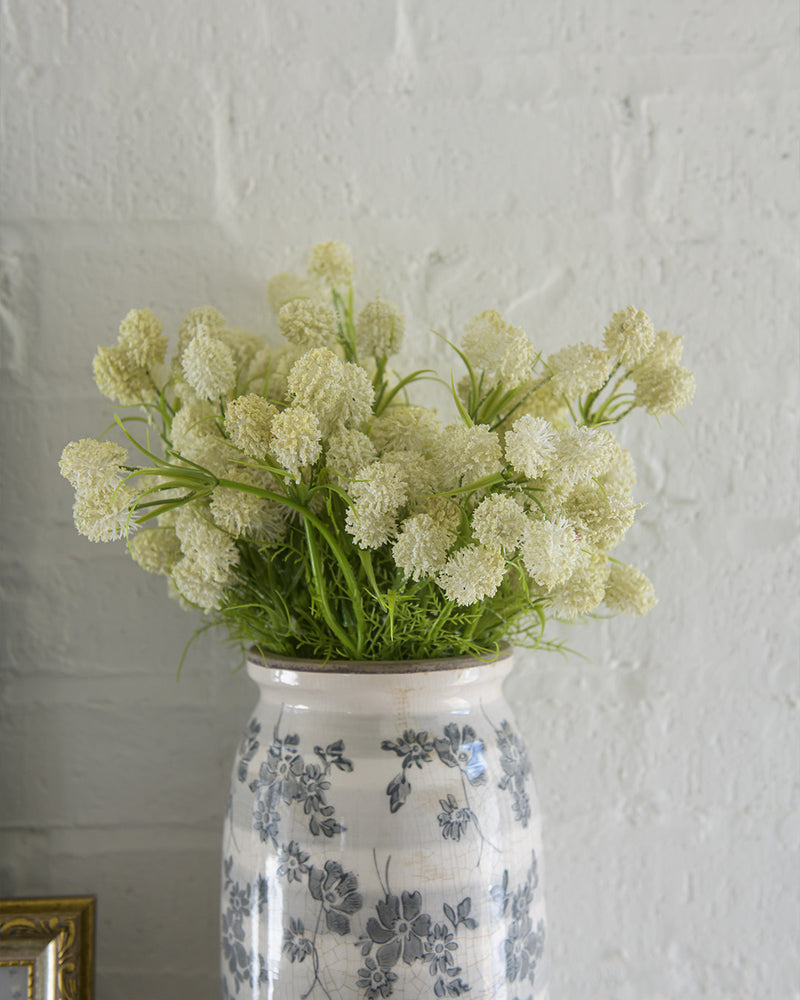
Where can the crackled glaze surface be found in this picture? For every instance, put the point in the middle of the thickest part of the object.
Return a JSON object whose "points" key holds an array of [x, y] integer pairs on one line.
{"points": [[382, 840]]}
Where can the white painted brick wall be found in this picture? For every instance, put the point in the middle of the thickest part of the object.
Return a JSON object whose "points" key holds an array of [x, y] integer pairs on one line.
{"points": [[555, 160]]}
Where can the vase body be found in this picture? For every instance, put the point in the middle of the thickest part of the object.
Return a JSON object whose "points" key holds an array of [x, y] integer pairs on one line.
{"points": [[382, 838]]}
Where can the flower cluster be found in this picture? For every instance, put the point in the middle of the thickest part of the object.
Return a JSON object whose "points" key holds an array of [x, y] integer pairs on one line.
{"points": [[298, 495]]}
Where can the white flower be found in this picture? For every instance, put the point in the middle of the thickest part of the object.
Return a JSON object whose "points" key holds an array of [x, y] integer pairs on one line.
{"points": [[445, 511], [581, 453], [579, 369], [195, 586], [212, 551], [209, 366], [118, 376], [140, 334], [308, 324], [421, 546], [550, 551], [499, 522], [464, 455], [348, 452], [332, 263], [498, 350], [197, 437], [246, 514], [378, 494], [406, 428], [630, 335], [530, 446], [379, 329], [205, 319], [104, 515], [601, 512], [248, 421], [337, 393], [155, 549], [284, 287], [585, 588], [663, 390], [472, 574], [92, 465], [296, 439], [628, 590]]}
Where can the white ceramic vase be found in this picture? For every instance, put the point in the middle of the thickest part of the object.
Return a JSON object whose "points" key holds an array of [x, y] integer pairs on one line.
{"points": [[383, 837]]}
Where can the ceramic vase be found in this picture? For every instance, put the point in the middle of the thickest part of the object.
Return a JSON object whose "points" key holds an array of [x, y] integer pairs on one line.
{"points": [[383, 837]]}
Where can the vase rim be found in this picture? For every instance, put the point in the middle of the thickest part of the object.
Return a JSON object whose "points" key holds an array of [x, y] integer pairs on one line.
{"points": [[419, 665]]}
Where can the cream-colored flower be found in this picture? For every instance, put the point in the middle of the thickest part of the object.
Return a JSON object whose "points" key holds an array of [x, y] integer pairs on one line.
{"points": [[621, 472], [445, 511], [243, 345], [545, 400], [104, 514], [421, 546], [196, 436], [246, 514], [406, 428], [630, 336], [205, 319], [348, 452], [585, 588], [141, 336], [530, 446], [499, 522], [211, 550], [332, 263], [498, 350], [209, 366], [194, 585], [92, 465], [472, 574], [248, 421], [379, 329], [284, 287], [580, 368], [663, 390], [156, 549], [296, 441], [419, 472], [378, 494], [601, 512], [308, 324], [464, 455], [628, 590], [337, 393], [581, 453], [118, 376], [550, 551]]}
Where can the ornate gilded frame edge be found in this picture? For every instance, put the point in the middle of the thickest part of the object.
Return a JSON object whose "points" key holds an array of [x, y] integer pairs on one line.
{"points": [[68, 920]]}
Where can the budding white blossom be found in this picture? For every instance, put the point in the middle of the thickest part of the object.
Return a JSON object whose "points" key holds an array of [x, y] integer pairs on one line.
{"points": [[579, 369], [581, 453], [348, 452], [406, 428], [118, 376], [378, 494], [498, 350], [196, 437], [585, 588], [445, 511], [630, 335], [530, 446], [621, 472], [601, 512], [248, 421], [243, 345], [550, 551], [499, 522], [141, 335], [104, 515], [307, 323], [156, 549], [471, 574], [628, 590], [421, 546], [379, 329], [205, 319], [464, 455], [284, 287], [92, 465], [545, 401], [195, 586], [246, 514], [211, 550], [296, 439], [663, 390], [336, 392], [209, 367], [332, 263]]}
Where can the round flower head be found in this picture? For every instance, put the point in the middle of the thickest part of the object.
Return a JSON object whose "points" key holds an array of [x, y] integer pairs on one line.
{"points": [[379, 329], [332, 263], [497, 350], [248, 422], [378, 494], [499, 522], [530, 446], [337, 393], [663, 391], [141, 335], [211, 550], [406, 428], [550, 551], [602, 512], [206, 319], [197, 438], [209, 366], [295, 439], [194, 585], [585, 588], [348, 452], [243, 344], [91, 465], [630, 336], [579, 369], [471, 574], [156, 549], [421, 546], [118, 376], [466, 454], [284, 287], [308, 324], [628, 590], [104, 515], [244, 514], [580, 454]]}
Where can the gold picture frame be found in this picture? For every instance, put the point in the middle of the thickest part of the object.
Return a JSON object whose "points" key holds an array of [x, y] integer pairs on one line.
{"points": [[47, 948]]}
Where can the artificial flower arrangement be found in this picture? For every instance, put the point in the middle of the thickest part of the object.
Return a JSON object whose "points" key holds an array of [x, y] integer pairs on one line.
{"points": [[298, 496]]}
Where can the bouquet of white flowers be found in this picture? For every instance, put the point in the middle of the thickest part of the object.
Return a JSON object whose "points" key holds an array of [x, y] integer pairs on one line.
{"points": [[298, 497]]}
